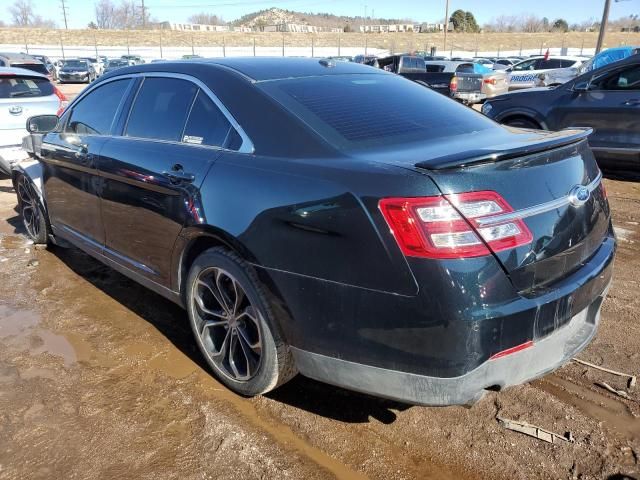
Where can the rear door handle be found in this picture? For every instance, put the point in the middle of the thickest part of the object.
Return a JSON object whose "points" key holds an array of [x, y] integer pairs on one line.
{"points": [[179, 176], [633, 102]]}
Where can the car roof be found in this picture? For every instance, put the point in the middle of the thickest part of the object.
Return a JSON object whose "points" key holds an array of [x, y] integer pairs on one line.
{"points": [[556, 57], [20, 71], [258, 69], [19, 57]]}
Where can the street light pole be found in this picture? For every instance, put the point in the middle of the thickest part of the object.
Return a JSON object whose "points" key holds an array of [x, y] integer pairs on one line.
{"points": [[603, 25], [446, 25]]}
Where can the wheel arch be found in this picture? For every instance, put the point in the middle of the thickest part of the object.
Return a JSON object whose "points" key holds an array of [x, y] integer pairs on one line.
{"points": [[523, 113]]}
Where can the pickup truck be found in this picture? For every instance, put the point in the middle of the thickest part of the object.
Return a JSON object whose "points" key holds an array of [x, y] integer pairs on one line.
{"points": [[454, 79]]}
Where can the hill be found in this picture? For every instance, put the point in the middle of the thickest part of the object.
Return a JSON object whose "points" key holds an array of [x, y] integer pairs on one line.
{"points": [[275, 16]]}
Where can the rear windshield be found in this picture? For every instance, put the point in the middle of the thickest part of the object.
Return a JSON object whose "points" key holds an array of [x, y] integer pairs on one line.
{"points": [[34, 67], [22, 87], [367, 111], [118, 63]]}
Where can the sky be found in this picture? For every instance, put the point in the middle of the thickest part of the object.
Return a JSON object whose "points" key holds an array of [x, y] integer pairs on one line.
{"points": [[81, 12]]}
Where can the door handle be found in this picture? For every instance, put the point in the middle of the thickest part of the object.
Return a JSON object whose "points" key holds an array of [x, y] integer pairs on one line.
{"points": [[632, 103], [179, 176]]}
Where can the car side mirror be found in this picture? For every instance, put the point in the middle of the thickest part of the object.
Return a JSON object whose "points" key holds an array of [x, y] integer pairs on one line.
{"points": [[42, 123], [581, 87]]}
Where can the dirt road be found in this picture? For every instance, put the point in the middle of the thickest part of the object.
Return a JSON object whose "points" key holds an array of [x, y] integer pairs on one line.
{"points": [[99, 378]]}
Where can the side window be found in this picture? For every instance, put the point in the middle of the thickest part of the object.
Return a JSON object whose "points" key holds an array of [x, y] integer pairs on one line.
{"points": [[160, 109], [526, 65], [94, 114], [464, 68], [543, 64], [567, 63], [207, 125], [627, 79]]}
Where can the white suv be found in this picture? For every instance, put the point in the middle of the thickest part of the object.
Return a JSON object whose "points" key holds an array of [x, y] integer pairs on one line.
{"points": [[23, 94], [525, 74]]}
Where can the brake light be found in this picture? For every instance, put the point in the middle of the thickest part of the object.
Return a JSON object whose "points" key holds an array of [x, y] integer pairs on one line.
{"points": [[63, 100], [448, 226], [490, 81], [453, 84]]}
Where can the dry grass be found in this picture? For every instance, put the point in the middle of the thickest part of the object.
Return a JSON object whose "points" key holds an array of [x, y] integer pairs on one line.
{"points": [[394, 42]]}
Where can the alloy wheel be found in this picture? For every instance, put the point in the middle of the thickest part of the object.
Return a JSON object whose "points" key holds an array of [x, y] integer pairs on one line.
{"points": [[30, 208], [227, 324]]}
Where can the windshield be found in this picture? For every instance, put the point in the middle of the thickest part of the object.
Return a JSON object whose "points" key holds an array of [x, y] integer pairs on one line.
{"points": [[75, 64], [368, 111], [20, 86]]}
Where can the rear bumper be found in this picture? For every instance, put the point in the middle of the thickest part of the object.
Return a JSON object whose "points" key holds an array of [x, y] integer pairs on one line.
{"points": [[573, 306], [469, 97], [544, 356]]}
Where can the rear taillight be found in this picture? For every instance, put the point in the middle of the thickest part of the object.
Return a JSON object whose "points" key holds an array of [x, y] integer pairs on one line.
{"points": [[490, 81], [449, 227], [453, 84], [63, 100]]}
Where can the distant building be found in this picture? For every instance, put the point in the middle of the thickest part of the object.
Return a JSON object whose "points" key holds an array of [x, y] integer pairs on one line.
{"points": [[242, 29], [194, 27], [298, 28], [404, 27]]}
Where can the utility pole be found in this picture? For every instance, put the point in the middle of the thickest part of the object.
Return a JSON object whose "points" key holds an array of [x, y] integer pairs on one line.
{"points": [[365, 19], [603, 25], [144, 14], [64, 13], [446, 25]]}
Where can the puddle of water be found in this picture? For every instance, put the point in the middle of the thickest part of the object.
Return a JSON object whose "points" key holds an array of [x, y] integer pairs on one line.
{"points": [[601, 408], [56, 345], [15, 322], [12, 242]]}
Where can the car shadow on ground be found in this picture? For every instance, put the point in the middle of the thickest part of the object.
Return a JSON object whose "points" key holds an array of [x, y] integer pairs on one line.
{"points": [[172, 321]]}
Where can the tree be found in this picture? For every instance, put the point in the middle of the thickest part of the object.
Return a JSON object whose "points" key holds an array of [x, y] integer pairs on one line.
{"points": [[92, 26], [22, 13], [471, 24], [459, 19], [561, 25], [205, 19], [347, 28], [106, 14]]}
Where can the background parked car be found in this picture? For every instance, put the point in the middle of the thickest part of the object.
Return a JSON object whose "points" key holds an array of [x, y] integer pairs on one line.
{"points": [[53, 74], [115, 64], [494, 82], [20, 60], [606, 99], [77, 70], [525, 73], [96, 63], [457, 80], [133, 59], [23, 93], [606, 57]]}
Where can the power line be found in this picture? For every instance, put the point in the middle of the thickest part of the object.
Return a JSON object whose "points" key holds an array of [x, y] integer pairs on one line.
{"points": [[64, 13]]}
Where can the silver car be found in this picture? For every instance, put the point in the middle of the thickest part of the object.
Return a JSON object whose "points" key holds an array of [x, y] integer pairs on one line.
{"points": [[23, 94]]}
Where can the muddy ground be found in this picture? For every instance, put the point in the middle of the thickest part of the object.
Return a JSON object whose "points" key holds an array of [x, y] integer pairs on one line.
{"points": [[99, 378]]}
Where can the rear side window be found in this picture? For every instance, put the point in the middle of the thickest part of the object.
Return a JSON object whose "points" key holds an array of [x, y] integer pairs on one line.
{"points": [[363, 111], [207, 125], [22, 87], [567, 63], [34, 67], [160, 109], [543, 64], [435, 68], [94, 114], [627, 79]]}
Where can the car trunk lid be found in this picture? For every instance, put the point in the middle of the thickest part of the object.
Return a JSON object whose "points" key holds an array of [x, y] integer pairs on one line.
{"points": [[554, 186]]}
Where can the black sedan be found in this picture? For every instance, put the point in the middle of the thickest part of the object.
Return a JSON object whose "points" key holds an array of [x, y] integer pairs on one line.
{"points": [[76, 71], [385, 246], [606, 99]]}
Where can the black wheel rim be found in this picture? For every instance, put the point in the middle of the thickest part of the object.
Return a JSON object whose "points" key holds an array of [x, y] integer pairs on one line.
{"points": [[227, 325], [30, 209]]}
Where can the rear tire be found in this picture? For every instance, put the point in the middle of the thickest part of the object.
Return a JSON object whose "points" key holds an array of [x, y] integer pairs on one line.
{"points": [[34, 218], [233, 324], [521, 122]]}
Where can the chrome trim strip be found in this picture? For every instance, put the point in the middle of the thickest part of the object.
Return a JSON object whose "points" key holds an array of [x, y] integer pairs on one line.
{"points": [[536, 209], [246, 146]]}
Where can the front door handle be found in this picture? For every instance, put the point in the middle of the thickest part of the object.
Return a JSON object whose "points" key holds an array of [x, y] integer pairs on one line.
{"points": [[632, 103], [179, 176]]}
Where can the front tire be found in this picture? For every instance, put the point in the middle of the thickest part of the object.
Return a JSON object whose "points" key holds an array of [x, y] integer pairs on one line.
{"points": [[32, 214], [233, 324]]}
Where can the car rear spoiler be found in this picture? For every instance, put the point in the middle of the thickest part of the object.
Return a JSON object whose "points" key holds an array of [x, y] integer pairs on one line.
{"points": [[517, 149]]}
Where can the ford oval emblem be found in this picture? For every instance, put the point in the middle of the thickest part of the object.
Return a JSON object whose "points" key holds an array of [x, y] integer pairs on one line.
{"points": [[15, 109], [579, 195]]}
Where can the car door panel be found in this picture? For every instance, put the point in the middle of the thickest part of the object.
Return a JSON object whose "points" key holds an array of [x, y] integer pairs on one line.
{"points": [[143, 209], [71, 180]]}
